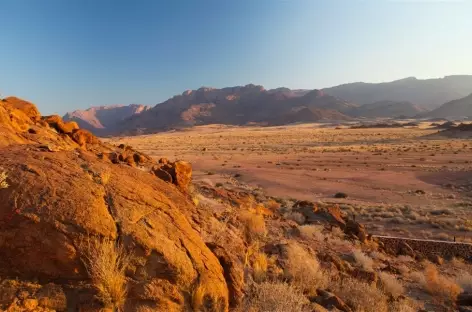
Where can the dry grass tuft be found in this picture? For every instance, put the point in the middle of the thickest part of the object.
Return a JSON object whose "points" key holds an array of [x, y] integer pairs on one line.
{"points": [[295, 216], [105, 177], [361, 296], [272, 205], [198, 297], [405, 305], [303, 269], [363, 260], [441, 287], [254, 226], [312, 232], [3, 180], [106, 263], [275, 297], [259, 266], [391, 285]]}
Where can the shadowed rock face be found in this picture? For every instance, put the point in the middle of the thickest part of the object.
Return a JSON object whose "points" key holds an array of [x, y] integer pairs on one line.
{"points": [[58, 197], [388, 109], [457, 108]]}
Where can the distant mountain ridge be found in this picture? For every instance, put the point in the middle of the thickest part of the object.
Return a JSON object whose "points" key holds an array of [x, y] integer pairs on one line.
{"points": [[251, 104], [427, 93], [238, 106], [102, 119], [388, 109], [453, 109]]}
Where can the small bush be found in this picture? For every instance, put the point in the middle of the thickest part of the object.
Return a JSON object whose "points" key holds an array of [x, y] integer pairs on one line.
{"points": [[303, 269], [259, 266], [340, 195], [405, 305], [254, 226], [3, 180], [274, 297], [272, 205], [363, 260], [361, 296], [106, 263], [311, 232], [391, 285], [105, 177], [442, 288], [295, 216]]}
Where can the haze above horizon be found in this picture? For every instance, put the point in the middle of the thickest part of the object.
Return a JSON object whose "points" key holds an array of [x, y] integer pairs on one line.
{"points": [[67, 55]]}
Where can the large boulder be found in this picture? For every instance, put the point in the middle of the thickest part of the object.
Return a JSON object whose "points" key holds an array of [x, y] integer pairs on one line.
{"points": [[57, 123], [178, 173], [56, 200], [355, 229], [12, 123], [29, 109]]}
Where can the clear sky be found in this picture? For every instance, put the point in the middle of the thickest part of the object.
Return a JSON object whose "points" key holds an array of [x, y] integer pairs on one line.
{"points": [[71, 54]]}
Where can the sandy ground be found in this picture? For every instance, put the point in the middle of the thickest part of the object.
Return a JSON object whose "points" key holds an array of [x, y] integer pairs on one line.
{"points": [[398, 181]]}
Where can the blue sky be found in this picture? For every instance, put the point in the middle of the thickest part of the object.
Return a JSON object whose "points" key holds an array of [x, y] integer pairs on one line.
{"points": [[71, 54]]}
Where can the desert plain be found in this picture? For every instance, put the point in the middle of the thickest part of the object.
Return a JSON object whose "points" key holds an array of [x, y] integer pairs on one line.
{"points": [[406, 181]]}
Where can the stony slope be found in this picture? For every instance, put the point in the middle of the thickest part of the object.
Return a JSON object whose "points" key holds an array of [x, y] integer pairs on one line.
{"points": [[457, 108], [428, 93], [65, 187], [104, 119]]}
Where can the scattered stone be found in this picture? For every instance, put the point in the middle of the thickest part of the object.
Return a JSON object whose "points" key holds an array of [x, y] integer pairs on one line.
{"points": [[369, 277], [340, 195], [330, 301], [178, 173], [356, 229]]}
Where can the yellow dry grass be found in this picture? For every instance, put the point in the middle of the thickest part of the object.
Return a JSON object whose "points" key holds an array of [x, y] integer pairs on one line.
{"points": [[3, 180], [198, 297], [253, 226], [442, 288], [259, 266], [106, 263]]}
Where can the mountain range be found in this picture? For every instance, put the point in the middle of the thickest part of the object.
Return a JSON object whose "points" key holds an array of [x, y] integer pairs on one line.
{"points": [[248, 104], [453, 109], [100, 119], [427, 93]]}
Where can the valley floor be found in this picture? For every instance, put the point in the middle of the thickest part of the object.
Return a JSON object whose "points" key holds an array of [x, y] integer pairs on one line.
{"points": [[398, 181]]}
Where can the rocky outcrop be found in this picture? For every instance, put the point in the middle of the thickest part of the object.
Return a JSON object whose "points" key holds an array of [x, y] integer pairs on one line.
{"points": [[63, 191], [178, 173], [27, 108]]}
